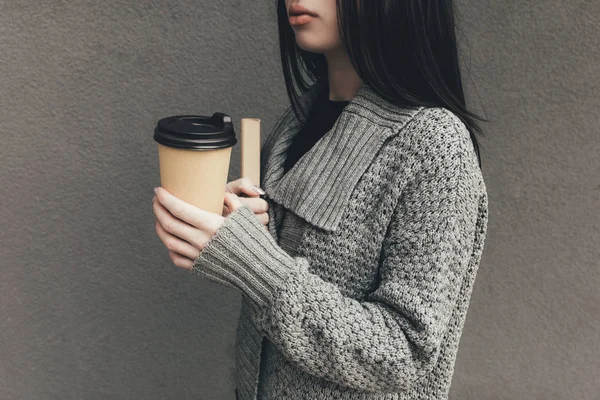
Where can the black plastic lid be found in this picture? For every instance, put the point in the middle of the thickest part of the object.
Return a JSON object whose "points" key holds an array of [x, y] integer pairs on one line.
{"points": [[196, 132]]}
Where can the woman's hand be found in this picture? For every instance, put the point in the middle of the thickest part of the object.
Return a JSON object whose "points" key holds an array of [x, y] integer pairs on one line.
{"points": [[185, 229], [245, 187]]}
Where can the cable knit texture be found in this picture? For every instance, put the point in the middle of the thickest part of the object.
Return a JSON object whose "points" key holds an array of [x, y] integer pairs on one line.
{"points": [[360, 285]]}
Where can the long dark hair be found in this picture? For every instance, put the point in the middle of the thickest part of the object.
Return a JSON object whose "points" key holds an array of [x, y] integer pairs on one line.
{"points": [[405, 50]]}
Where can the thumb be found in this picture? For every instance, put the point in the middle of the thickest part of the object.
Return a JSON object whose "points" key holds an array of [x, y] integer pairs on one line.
{"points": [[232, 201]]}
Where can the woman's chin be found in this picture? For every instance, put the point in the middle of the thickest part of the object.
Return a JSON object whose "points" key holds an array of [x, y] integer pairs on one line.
{"points": [[310, 44]]}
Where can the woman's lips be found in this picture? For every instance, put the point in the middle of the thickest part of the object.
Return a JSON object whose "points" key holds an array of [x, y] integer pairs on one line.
{"points": [[300, 19]]}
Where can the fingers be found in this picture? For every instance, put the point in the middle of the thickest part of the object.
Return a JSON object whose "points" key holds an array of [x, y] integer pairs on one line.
{"points": [[256, 204], [244, 186], [232, 201], [181, 261], [184, 211], [175, 226], [175, 244], [264, 218]]}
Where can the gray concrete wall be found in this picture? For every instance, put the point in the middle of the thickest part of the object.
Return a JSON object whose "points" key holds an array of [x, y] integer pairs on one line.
{"points": [[91, 306]]}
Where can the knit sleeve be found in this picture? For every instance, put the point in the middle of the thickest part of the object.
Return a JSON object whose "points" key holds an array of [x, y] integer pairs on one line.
{"points": [[390, 339]]}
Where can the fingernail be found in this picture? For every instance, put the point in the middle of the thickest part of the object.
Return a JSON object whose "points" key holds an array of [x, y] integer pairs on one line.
{"points": [[257, 189], [155, 189]]}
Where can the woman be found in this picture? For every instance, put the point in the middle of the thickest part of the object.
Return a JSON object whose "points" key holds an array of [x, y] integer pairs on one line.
{"points": [[375, 211]]}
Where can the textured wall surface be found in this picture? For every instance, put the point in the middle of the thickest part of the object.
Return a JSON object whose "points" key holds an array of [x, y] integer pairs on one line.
{"points": [[91, 306]]}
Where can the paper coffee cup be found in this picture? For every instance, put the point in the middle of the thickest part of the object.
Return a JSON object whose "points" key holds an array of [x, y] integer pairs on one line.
{"points": [[194, 154]]}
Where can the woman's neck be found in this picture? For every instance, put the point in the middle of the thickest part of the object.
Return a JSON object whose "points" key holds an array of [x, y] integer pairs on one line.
{"points": [[343, 80]]}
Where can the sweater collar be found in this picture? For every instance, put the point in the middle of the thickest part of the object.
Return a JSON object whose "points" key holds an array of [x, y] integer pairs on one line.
{"points": [[318, 187]]}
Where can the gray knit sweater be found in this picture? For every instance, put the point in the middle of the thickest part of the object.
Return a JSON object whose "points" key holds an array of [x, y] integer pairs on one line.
{"points": [[360, 285]]}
